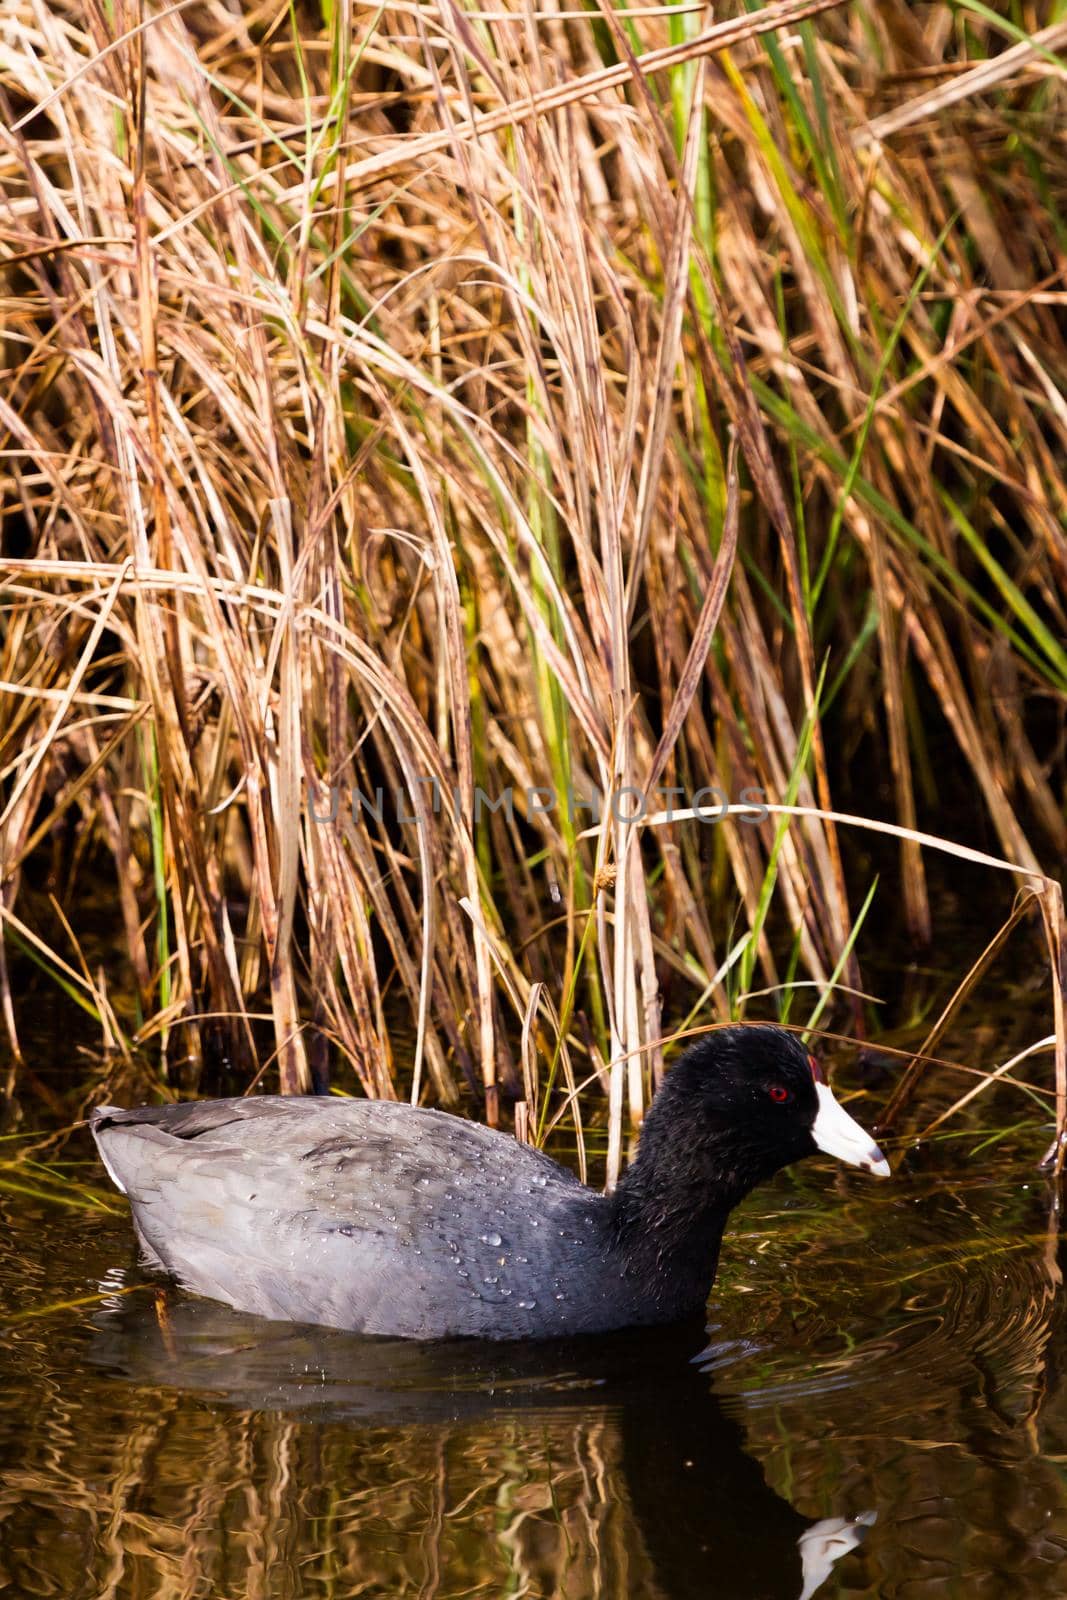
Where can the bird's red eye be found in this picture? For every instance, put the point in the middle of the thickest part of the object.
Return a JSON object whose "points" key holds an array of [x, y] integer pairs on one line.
{"points": [[779, 1094]]}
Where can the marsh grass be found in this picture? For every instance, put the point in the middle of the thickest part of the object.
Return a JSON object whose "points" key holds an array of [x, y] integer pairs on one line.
{"points": [[582, 398]]}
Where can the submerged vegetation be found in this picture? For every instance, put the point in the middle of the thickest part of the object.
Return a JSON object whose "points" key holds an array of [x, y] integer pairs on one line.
{"points": [[431, 402]]}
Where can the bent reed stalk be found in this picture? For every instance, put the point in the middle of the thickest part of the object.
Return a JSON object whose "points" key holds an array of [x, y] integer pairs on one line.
{"points": [[453, 400]]}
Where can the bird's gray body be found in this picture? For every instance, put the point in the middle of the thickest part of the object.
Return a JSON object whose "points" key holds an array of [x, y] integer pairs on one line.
{"points": [[367, 1215]]}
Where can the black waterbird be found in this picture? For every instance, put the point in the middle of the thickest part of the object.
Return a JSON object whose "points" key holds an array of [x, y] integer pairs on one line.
{"points": [[392, 1219]]}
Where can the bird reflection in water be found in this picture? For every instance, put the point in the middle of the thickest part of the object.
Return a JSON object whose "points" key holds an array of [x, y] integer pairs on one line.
{"points": [[678, 1506]]}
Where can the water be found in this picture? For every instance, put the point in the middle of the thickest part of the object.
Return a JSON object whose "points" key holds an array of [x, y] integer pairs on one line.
{"points": [[884, 1359]]}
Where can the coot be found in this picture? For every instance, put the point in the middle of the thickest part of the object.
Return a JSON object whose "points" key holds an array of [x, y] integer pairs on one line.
{"points": [[392, 1219]]}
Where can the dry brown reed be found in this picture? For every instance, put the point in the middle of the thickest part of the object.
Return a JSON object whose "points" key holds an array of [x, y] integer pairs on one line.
{"points": [[446, 399]]}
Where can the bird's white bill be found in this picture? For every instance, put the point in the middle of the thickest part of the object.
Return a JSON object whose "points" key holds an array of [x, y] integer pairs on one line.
{"points": [[840, 1135]]}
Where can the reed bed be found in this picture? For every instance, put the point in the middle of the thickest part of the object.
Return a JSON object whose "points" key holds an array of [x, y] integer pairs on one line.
{"points": [[462, 408]]}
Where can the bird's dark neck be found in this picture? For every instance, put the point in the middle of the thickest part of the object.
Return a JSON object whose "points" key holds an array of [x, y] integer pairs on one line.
{"points": [[669, 1211]]}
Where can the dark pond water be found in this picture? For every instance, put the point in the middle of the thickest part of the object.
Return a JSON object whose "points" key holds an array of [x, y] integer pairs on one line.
{"points": [[883, 1359]]}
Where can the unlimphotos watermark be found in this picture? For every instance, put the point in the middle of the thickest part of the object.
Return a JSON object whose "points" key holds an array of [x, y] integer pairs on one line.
{"points": [[627, 803]]}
